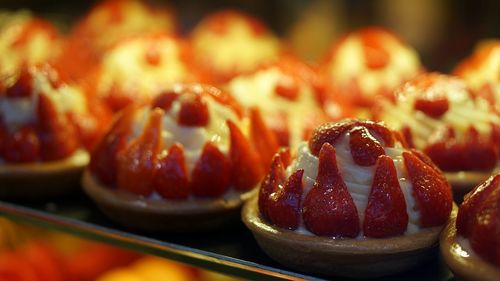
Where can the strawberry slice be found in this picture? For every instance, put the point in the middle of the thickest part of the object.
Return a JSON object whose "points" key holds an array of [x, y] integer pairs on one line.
{"points": [[136, 164], [211, 175], [375, 54], [385, 213], [365, 149], [428, 161], [432, 194], [273, 179], [379, 131], [329, 209], [264, 140], [479, 152], [103, 162], [472, 202], [164, 100], [171, 179], [485, 232], [408, 136], [434, 108], [247, 170], [284, 203], [286, 156], [193, 112], [58, 137], [22, 147]]}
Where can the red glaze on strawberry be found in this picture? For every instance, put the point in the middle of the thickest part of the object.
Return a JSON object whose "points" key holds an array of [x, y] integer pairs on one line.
{"points": [[275, 178], [329, 209], [264, 140], [406, 131], [428, 161], [365, 149], [284, 202], [331, 132], [246, 168], [472, 203], [286, 156], [171, 178], [193, 112], [385, 213], [433, 195], [103, 162], [375, 54], [136, 163], [485, 232], [433, 108], [165, 100], [58, 137], [22, 146], [211, 175]]}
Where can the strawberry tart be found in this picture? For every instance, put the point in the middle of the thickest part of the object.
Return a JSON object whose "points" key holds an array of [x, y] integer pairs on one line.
{"points": [[459, 131], [184, 162], [46, 127], [470, 243], [228, 43], [353, 202], [368, 64]]}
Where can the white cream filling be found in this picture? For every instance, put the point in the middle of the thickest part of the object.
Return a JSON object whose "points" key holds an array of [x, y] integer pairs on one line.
{"points": [[126, 67], [486, 73], [349, 63], [463, 112], [238, 49], [358, 180], [258, 90], [18, 112], [193, 139]]}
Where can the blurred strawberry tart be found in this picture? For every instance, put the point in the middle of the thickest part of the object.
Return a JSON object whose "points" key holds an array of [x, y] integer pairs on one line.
{"points": [[46, 126], [480, 71], [107, 23], [137, 69], [368, 64], [459, 131], [470, 243], [353, 202], [184, 162], [228, 43]]}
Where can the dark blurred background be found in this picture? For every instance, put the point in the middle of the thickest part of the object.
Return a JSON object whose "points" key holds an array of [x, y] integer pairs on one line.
{"points": [[442, 31]]}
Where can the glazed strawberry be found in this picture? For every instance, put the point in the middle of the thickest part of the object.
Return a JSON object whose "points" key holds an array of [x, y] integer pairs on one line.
{"points": [[329, 209], [58, 138], [432, 194], [284, 203], [136, 164], [330, 132], [286, 156], [365, 149], [247, 171], [274, 178], [428, 161], [212, 174], [375, 54], [264, 140], [164, 100], [434, 108], [485, 232], [385, 213], [472, 203], [288, 89], [193, 112], [22, 146], [171, 179], [103, 162]]}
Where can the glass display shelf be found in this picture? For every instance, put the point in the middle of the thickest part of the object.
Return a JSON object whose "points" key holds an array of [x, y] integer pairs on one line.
{"points": [[231, 250]]}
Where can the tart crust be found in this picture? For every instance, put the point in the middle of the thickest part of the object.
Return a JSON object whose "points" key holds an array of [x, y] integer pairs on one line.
{"points": [[464, 265], [42, 180], [464, 181], [366, 258], [172, 216]]}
